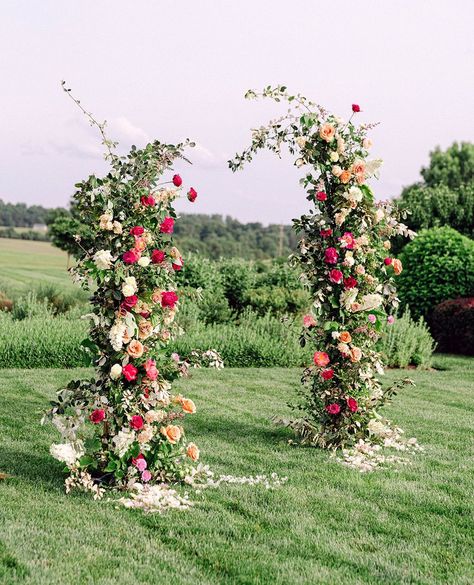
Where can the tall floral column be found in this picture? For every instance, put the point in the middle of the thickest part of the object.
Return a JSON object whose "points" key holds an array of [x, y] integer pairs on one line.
{"points": [[345, 260], [125, 424]]}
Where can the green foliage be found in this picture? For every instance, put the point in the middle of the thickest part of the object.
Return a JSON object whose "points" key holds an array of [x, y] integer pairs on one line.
{"points": [[237, 279], [22, 215], [453, 167], [71, 235], [407, 342], [437, 265]]}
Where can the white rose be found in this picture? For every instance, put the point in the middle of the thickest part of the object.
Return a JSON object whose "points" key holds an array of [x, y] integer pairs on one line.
{"points": [[144, 261], [336, 170], [301, 141], [103, 259], [118, 229], [129, 287], [334, 156], [115, 371]]}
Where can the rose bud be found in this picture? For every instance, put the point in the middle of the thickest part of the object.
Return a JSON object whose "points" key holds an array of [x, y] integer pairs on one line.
{"points": [[177, 181], [192, 194], [355, 108]]}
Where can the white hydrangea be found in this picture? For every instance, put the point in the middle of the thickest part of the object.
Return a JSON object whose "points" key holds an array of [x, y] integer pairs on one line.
{"points": [[66, 452], [116, 334], [123, 441], [103, 259]]}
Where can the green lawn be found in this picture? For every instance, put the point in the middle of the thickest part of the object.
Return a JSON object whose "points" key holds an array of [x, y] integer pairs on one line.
{"points": [[25, 264], [328, 524]]}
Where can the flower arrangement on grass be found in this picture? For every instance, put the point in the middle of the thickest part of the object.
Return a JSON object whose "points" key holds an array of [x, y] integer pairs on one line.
{"points": [[125, 425], [344, 255]]}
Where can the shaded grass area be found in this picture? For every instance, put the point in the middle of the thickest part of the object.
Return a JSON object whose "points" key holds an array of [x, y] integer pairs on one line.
{"points": [[327, 525]]}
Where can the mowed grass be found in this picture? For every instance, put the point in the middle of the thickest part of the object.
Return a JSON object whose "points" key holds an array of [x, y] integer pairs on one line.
{"points": [[328, 524], [26, 264]]}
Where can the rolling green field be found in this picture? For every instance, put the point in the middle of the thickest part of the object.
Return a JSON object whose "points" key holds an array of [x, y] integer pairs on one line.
{"points": [[25, 264], [326, 525]]}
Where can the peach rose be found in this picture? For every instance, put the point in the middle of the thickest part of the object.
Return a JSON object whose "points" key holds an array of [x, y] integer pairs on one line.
{"points": [[172, 433], [140, 244], [146, 435], [345, 337], [343, 348], [360, 269], [356, 354], [327, 132], [165, 335], [154, 416], [156, 296], [345, 177], [135, 349], [192, 451], [126, 337], [360, 179], [358, 168], [397, 266], [145, 329], [188, 406]]}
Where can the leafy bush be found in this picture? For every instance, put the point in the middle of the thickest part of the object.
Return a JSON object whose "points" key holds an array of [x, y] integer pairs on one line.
{"points": [[438, 265], [407, 342], [237, 278], [453, 326]]}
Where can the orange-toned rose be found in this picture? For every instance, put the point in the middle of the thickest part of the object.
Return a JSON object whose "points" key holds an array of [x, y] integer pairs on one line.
{"points": [[358, 168], [145, 329], [140, 244], [188, 406], [345, 177], [156, 296], [345, 337], [135, 349], [397, 266], [356, 354], [321, 359], [327, 132], [192, 451], [172, 433]]}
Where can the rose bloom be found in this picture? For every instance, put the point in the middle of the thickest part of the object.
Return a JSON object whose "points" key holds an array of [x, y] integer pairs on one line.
{"points": [[344, 349], [148, 201], [331, 256], [309, 321], [335, 276], [136, 422], [387, 261], [131, 256], [345, 177], [140, 463], [177, 181], [387, 245], [137, 230], [140, 244], [130, 372], [327, 374], [347, 241], [358, 168], [146, 435], [367, 143], [97, 416], [145, 329], [345, 337], [154, 416], [188, 406], [372, 318], [360, 269], [192, 451], [390, 319], [355, 108], [321, 196], [352, 404], [169, 299], [192, 194], [156, 296], [327, 132], [321, 359], [115, 371], [146, 476], [157, 256], [336, 170], [144, 261], [129, 302], [165, 335], [126, 337], [333, 408], [177, 265], [355, 354], [135, 349], [172, 433], [350, 282], [167, 225], [397, 266], [151, 370], [326, 233]]}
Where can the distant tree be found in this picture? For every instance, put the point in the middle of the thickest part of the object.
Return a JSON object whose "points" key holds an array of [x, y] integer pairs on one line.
{"points": [[453, 167]]}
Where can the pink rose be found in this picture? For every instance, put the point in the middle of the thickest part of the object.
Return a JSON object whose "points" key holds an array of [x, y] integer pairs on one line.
{"points": [[335, 276], [372, 318], [169, 299], [333, 408], [141, 464], [321, 196], [390, 319], [130, 372], [167, 225], [131, 257], [192, 195], [146, 476], [331, 256], [309, 321], [136, 422], [321, 359], [347, 241], [177, 181], [148, 201], [151, 370]]}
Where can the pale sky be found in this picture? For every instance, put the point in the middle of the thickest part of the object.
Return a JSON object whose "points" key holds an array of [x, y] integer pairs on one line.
{"points": [[172, 69]]}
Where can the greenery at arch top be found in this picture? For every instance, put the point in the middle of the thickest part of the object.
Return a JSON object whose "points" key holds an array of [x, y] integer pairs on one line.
{"points": [[345, 261]]}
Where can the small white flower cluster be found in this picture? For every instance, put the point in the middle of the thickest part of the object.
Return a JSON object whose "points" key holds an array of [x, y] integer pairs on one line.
{"points": [[202, 476], [83, 480], [154, 499]]}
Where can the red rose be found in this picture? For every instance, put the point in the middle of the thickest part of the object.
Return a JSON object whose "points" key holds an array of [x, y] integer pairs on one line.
{"points": [[335, 276], [178, 266], [169, 299], [333, 408], [331, 256], [326, 233], [136, 422], [145, 314], [355, 108], [97, 416], [129, 302], [352, 404], [192, 194], [350, 282], [148, 201], [130, 372], [131, 257], [387, 261], [321, 196], [327, 374], [167, 225], [177, 181], [157, 256], [137, 230]]}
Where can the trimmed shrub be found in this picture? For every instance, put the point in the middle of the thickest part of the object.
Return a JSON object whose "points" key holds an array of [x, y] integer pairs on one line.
{"points": [[438, 265], [407, 342], [452, 324]]}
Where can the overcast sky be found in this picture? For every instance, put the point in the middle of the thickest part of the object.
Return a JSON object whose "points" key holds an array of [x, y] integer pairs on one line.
{"points": [[172, 69]]}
